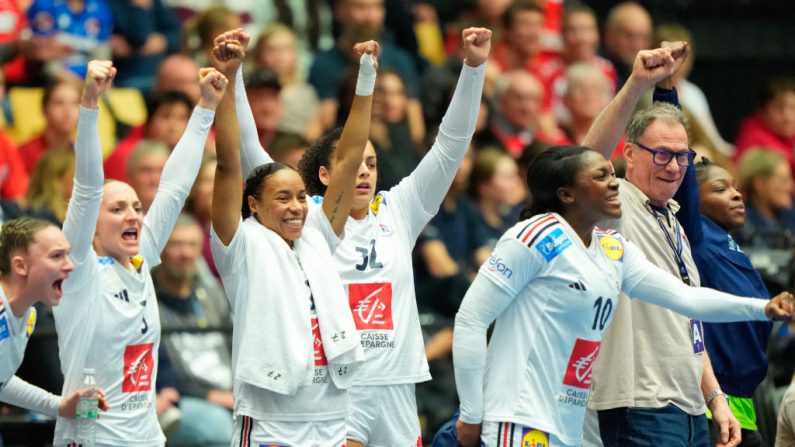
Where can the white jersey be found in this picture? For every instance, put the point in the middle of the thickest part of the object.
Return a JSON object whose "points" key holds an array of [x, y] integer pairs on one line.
{"points": [[553, 299], [246, 266], [375, 265], [108, 319], [14, 335]]}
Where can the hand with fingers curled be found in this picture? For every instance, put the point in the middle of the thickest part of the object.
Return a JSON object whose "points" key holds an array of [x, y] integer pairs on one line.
{"points": [[780, 307], [212, 84], [368, 65], [652, 66], [239, 35], [477, 45], [99, 76], [227, 56]]}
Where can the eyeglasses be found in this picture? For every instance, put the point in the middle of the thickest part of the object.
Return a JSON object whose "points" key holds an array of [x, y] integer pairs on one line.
{"points": [[661, 157]]}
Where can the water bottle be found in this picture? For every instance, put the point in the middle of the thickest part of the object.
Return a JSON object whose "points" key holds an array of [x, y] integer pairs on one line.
{"points": [[86, 415]]}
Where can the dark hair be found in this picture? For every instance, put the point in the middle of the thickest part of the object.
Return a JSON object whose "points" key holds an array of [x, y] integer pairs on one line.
{"points": [[774, 88], [16, 235], [256, 180], [52, 85], [702, 167], [554, 168], [577, 7], [518, 6], [319, 154], [159, 99]]}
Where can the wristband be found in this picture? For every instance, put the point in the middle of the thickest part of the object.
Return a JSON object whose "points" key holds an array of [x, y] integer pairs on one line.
{"points": [[715, 393], [365, 85]]}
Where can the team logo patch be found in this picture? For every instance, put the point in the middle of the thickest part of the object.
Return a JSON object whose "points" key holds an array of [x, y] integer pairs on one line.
{"points": [[375, 204], [31, 323], [4, 332], [583, 355], [534, 438], [139, 364], [553, 244], [612, 247], [371, 305], [317, 344]]}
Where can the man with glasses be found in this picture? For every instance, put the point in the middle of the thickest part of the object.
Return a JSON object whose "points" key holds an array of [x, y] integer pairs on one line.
{"points": [[653, 381]]}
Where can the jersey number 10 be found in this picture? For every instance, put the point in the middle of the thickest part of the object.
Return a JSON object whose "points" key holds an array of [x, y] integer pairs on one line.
{"points": [[602, 313]]}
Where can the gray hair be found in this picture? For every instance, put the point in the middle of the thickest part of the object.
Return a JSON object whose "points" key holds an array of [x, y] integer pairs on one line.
{"points": [[657, 111], [144, 149]]}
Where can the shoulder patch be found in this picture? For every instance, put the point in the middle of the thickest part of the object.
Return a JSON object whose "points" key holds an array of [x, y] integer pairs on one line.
{"points": [[375, 204], [553, 244], [534, 227], [612, 246]]}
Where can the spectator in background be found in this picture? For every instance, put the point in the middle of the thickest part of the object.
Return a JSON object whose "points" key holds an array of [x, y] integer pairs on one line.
{"points": [[167, 119], [263, 90], [772, 124], [51, 185], [498, 193], [200, 202], [580, 45], [12, 41], [277, 51], [389, 130], [361, 20], [82, 25], [144, 33], [520, 46], [196, 364], [144, 168], [785, 430], [517, 121], [483, 13], [202, 29], [60, 104], [13, 178], [178, 73], [766, 181], [288, 148], [692, 98], [628, 29], [588, 91]]}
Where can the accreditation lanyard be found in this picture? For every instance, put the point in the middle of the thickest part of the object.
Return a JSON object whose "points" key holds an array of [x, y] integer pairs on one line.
{"points": [[676, 247]]}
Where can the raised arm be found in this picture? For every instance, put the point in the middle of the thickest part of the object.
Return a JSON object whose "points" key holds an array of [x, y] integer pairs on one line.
{"points": [[350, 148], [650, 67], [252, 154], [83, 209], [183, 164], [435, 172], [227, 189]]}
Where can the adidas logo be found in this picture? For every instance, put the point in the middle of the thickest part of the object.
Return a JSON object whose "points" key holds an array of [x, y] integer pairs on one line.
{"points": [[578, 285], [122, 296]]}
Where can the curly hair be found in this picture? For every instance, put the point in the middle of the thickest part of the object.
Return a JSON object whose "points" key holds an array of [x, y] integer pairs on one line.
{"points": [[319, 154]]}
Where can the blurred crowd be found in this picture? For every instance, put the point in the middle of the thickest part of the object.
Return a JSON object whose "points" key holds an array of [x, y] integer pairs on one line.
{"points": [[555, 65]]}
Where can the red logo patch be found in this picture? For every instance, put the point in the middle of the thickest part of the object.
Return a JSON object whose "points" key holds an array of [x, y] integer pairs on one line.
{"points": [[138, 367], [317, 344], [371, 305], [583, 355]]}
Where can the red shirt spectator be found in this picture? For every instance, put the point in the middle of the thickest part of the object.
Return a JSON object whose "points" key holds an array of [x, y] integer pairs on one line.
{"points": [[773, 124], [13, 179]]}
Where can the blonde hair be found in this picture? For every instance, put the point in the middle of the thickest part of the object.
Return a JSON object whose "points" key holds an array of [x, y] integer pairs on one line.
{"points": [[758, 162], [46, 184]]}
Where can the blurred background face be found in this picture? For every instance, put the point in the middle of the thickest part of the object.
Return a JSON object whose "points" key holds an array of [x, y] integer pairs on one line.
{"points": [[168, 123], [492, 10], [279, 54], [144, 177], [179, 73], [580, 36], [390, 98], [525, 32], [520, 104], [779, 115], [505, 184], [182, 250], [62, 109], [266, 106], [775, 190], [202, 193], [630, 32], [587, 96], [363, 13]]}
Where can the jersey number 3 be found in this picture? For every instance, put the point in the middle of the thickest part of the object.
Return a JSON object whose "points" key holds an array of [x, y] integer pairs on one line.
{"points": [[368, 258]]}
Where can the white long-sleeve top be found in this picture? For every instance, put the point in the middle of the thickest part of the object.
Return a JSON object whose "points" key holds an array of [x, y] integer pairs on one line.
{"points": [[108, 318], [553, 298]]}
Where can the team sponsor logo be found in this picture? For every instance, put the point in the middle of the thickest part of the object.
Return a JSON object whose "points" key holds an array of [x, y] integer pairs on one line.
{"points": [[31, 323], [553, 244], [105, 260], [317, 344], [139, 365], [534, 438], [733, 246], [612, 248], [385, 231], [583, 355], [122, 295], [4, 332], [375, 204], [371, 305], [137, 262], [578, 285], [496, 264]]}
